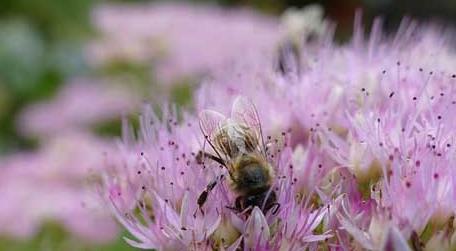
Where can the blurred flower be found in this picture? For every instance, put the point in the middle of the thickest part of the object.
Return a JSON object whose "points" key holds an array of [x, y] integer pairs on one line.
{"points": [[181, 40], [304, 24], [81, 103], [52, 185]]}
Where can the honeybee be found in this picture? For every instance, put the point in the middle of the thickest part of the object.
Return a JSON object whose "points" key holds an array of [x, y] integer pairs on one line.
{"points": [[238, 146]]}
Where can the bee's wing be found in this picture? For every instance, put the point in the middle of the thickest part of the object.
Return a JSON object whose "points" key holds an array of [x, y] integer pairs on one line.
{"points": [[210, 123], [244, 112]]}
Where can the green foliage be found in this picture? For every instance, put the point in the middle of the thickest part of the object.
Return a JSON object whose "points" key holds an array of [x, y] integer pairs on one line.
{"points": [[137, 74], [22, 53], [35, 56], [55, 19], [181, 94]]}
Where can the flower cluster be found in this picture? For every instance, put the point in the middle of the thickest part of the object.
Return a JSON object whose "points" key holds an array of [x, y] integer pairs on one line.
{"points": [[156, 198], [174, 38], [82, 103], [361, 138], [49, 186]]}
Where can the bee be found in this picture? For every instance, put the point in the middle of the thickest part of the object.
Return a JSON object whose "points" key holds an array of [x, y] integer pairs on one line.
{"points": [[238, 146]]}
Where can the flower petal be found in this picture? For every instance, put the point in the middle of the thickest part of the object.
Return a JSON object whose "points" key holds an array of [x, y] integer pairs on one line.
{"points": [[256, 231]]}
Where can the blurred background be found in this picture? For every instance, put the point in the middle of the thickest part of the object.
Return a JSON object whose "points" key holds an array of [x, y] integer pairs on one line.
{"points": [[69, 70]]}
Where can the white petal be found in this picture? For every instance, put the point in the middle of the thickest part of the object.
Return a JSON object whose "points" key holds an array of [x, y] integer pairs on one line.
{"points": [[256, 229], [394, 240], [356, 233], [140, 245]]}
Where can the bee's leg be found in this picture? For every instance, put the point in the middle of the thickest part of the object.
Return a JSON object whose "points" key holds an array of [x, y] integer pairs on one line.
{"points": [[232, 208], [275, 208], [202, 198], [237, 208], [200, 160], [417, 244], [270, 203], [247, 211], [241, 205], [202, 155]]}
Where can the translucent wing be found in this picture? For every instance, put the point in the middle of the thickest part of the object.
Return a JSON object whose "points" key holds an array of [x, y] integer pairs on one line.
{"points": [[245, 114], [238, 138], [211, 123]]}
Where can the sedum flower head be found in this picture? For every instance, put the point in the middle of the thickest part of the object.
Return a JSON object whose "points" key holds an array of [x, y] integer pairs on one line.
{"points": [[154, 194], [364, 141]]}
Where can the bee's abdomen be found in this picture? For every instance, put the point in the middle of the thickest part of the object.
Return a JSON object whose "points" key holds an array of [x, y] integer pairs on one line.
{"points": [[253, 179]]}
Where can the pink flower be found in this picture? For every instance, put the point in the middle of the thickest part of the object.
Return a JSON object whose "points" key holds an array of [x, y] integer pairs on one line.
{"points": [[181, 40], [363, 135], [79, 104], [53, 184], [375, 108], [399, 142], [169, 181]]}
